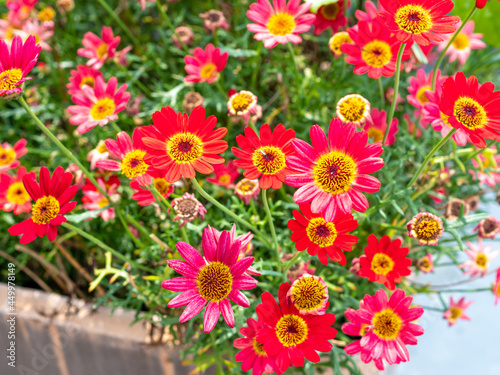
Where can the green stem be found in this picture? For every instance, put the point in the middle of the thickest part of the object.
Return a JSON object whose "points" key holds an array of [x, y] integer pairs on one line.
{"points": [[297, 76], [168, 206], [381, 90], [291, 262], [167, 19], [65, 151], [221, 90], [134, 239], [428, 157], [105, 247], [138, 225], [396, 90], [271, 223], [466, 290], [252, 125], [477, 152], [441, 56], [256, 66]]}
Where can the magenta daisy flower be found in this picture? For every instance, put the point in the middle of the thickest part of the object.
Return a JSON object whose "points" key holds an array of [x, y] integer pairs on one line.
{"points": [[205, 65], [9, 154], [420, 85], [333, 172], [376, 129], [457, 311], [93, 199], [215, 279], [83, 75], [281, 22], [98, 50]]}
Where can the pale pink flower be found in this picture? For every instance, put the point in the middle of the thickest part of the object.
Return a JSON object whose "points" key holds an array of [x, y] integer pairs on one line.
{"points": [[247, 189], [41, 33], [480, 258], [426, 264], [100, 152], [463, 44], [457, 311], [185, 34]]}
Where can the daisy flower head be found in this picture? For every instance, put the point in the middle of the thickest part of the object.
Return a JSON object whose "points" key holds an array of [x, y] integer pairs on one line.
{"points": [[374, 51], [9, 155], [471, 107], [52, 198], [216, 278], [131, 154], [99, 49], [371, 12], [225, 174], [309, 294], [386, 326], [83, 75], [354, 109], [192, 100], [480, 258], [100, 152], [184, 144], [486, 168], [94, 200], [247, 189], [205, 65], [187, 208], [463, 43], [385, 261], [418, 20], [47, 15], [145, 197], [41, 32], [13, 195], [213, 20], [487, 228], [252, 353], [98, 105], [426, 264], [420, 85], [427, 228], [326, 239], [376, 129], [457, 311], [496, 287], [281, 22], [242, 104], [20, 9], [291, 336], [183, 34], [331, 14], [15, 63], [337, 41], [264, 156], [333, 172]]}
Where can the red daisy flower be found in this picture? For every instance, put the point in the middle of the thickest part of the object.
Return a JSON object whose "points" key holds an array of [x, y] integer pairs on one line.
{"points": [[385, 262], [52, 200], [472, 107], [330, 15], [184, 144], [327, 239], [13, 194], [418, 20], [225, 174], [265, 157], [290, 335], [145, 197], [332, 173]]}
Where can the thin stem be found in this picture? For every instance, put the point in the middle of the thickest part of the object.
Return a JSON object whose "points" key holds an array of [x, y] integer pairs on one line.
{"points": [[297, 76], [441, 56], [167, 19], [221, 90], [381, 90], [271, 223], [291, 262], [168, 206], [65, 151], [466, 290], [477, 152], [103, 246], [256, 66], [252, 125], [136, 224], [396, 90], [428, 157], [134, 239]]}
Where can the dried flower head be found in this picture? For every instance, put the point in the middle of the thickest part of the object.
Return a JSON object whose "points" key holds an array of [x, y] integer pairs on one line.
{"points": [[187, 209], [427, 228]]}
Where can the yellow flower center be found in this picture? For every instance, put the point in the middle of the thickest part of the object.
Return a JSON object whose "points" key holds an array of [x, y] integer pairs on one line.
{"points": [[386, 324], [133, 164], [16, 193], [103, 202], [420, 95], [461, 41], [427, 228], [89, 81], [382, 264], [334, 172], [352, 108], [184, 147], [321, 232], [102, 109], [281, 24], [45, 209], [224, 179], [376, 53], [482, 260], [424, 264], [330, 11], [161, 185], [215, 281], [497, 291], [242, 102], [362, 331], [9, 33], [47, 14], [102, 148], [102, 50], [258, 347], [445, 119], [269, 159], [9, 78], [291, 330], [470, 113], [208, 71], [337, 40], [308, 294], [375, 134], [413, 19], [7, 156], [246, 186], [456, 312]]}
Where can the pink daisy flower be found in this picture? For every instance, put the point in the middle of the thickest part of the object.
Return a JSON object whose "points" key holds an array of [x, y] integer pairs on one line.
{"points": [[426, 264], [463, 44], [83, 75], [480, 258], [16, 63], [93, 199], [330, 15], [496, 287], [205, 65], [457, 311], [13, 195], [386, 327], [491, 176], [213, 20], [281, 22], [9, 154], [98, 105], [41, 32], [20, 9], [225, 174], [98, 50], [333, 173], [100, 152], [131, 155], [371, 12], [421, 84], [216, 278], [145, 197], [247, 189], [376, 128]]}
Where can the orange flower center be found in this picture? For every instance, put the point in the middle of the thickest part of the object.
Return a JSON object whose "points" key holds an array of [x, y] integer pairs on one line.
{"points": [[9, 78], [482, 260], [456, 312], [352, 108], [321, 232], [184, 147], [16, 193], [461, 41], [224, 179], [334, 172], [377, 53], [308, 294], [413, 19], [102, 50], [133, 164], [89, 81], [424, 264], [420, 95], [382, 264], [386, 324], [215, 281], [291, 330], [330, 11], [45, 209], [281, 24], [242, 102], [102, 109], [7, 156], [258, 347], [208, 71], [470, 113], [337, 40], [376, 134], [269, 159], [162, 185]]}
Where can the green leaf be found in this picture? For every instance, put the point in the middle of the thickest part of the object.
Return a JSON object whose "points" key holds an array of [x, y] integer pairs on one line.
{"points": [[486, 19], [78, 218]]}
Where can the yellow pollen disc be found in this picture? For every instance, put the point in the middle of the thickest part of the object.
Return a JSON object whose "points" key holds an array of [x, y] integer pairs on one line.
{"points": [[184, 147], [321, 232], [245, 187], [362, 331], [445, 119], [461, 41], [208, 71], [133, 164], [281, 24], [215, 281], [102, 148], [103, 202], [470, 113], [102, 109], [308, 294], [420, 95], [291, 330], [102, 50], [482, 260], [375, 134], [45, 209], [7, 156], [334, 172], [456, 312], [427, 228], [89, 81], [386, 324], [413, 19], [47, 14], [425, 264], [9, 78], [9, 33], [16, 193], [269, 159], [352, 108], [258, 347], [382, 264], [376, 53], [161, 185], [241, 103], [330, 11], [337, 40], [225, 179]]}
